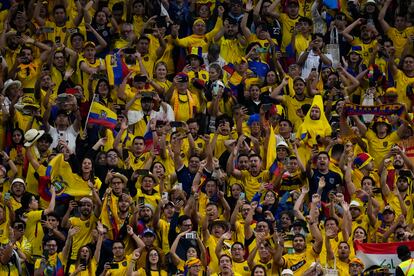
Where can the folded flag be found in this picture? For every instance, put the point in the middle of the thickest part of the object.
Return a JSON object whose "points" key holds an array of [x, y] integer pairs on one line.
{"points": [[275, 169], [101, 115], [148, 140], [59, 174], [116, 69]]}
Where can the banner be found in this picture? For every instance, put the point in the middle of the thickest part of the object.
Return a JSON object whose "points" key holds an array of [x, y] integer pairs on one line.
{"points": [[382, 110], [381, 254]]}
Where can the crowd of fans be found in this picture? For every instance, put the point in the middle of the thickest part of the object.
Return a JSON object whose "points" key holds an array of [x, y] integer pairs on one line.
{"points": [[240, 147]]}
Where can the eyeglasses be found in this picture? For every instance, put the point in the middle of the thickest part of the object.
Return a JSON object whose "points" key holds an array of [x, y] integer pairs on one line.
{"points": [[117, 247]]}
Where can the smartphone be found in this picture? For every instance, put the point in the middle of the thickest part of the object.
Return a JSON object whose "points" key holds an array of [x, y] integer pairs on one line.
{"points": [[57, 39], [129, 51], [164, 196], [103, 4], [406, 173], [242, 196], [247, 140], [191, 236], [176, 124], [114, 265], [147, 94], [141, 200], [267, 107], [142, 172], [7, 196], [48, 30], [84, 263], [148, 31], [72, 31], [313, 69], [28, 90]]}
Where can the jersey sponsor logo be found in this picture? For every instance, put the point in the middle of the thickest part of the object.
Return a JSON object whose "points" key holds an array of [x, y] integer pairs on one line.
{"points": [[298, 265], [385, 144], [124, 263], [407, 202]]}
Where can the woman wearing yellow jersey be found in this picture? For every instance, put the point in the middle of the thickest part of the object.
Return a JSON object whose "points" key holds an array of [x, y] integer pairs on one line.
{"points": [[102, 92], [153, 265], [16, 151], [160, 82], [86, 263], [220, 100], [192, 252]]}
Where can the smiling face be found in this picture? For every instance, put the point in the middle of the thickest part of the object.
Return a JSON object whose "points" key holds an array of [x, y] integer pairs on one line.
{"points": [[86, 165], [322, 162], [154, 257]]}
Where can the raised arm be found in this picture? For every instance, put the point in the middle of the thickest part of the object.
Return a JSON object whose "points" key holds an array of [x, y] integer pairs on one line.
{"points": [[297, 208], [347, 32], [51, 206], [314, 229], [360, 125], [384, 25]]}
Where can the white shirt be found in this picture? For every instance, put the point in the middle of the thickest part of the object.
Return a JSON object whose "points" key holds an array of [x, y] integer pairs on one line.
{"points": [[312, 62], [164, 115], [69, 136]]}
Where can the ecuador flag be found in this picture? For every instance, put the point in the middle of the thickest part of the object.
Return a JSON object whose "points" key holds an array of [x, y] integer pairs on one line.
{"points": [[59, 173], [101, 115]]}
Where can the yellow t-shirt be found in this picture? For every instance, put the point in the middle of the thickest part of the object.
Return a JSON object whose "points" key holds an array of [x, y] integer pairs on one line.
{"points": [[29, 73], [242, 268], [83, 77], [253, 183], [292, 105], [300, 262], [377, 147], [367, 48], [90, 269], [162, 233], [287, 29], [399, 38], [142, 271], [34, 231], [230, 49], [402, 81], [85, 234], [122, 267], [4, 227], [301, 44]]}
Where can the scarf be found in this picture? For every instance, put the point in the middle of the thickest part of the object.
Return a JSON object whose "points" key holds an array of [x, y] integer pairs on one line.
{"points": [[176, 103], [27, 70]]}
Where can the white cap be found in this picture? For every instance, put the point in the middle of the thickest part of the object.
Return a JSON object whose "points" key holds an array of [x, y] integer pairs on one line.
{"points": [[354, 203], [371, 2], [287, 272]]}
